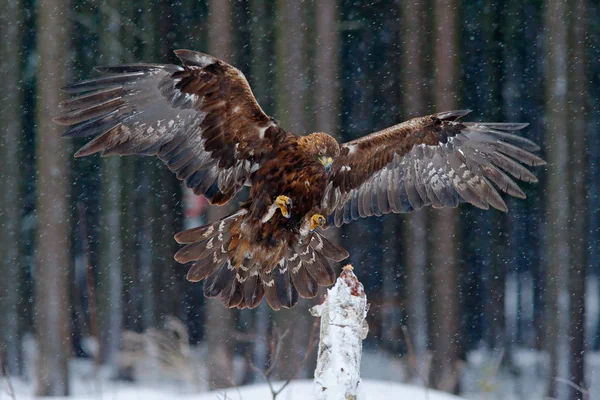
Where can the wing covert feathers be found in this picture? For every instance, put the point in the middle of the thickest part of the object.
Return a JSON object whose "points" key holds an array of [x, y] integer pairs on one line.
{"points": [[434, 160]]}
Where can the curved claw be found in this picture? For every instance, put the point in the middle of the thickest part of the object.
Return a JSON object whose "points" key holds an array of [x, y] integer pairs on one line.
{"points": [[285, 204], [316, 221]]}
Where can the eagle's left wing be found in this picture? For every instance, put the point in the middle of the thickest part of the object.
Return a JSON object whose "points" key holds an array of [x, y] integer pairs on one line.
{"points": [[434, 160]]}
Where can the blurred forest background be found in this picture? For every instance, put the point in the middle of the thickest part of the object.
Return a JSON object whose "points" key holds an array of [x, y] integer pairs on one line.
{"points": [[469, 301]]}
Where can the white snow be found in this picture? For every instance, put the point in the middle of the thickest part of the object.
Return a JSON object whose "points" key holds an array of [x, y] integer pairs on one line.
{"points": [[381, 373], [297, 390]]}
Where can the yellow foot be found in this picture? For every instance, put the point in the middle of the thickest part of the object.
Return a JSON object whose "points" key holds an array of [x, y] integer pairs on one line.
{"points": [[317, 220], [285, 204]]}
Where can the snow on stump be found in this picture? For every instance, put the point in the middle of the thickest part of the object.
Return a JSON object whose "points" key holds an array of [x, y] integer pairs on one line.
{"points": [[343, 328]]}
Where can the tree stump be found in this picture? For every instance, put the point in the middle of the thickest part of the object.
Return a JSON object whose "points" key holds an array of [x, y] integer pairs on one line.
{"points": [[343, 328]]}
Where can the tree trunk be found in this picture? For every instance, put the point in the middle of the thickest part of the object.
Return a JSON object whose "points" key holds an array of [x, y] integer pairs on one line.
{"points": [[260, 83], [130, 217], [291, 105], [11, 20], [579, 238], [414, 227], [445, 335], [52, 261], [150, 247], [168, 274], [292, 66], [110, 281], [557, 146], [343, 329], [219, 320], [327, 50], [495, 285]]}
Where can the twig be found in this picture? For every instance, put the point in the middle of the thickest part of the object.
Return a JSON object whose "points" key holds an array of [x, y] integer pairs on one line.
{"points": [[412, 360], [276, 344], [241, 337], [5, 372], [498, 362], [90, 283], [309, 349], [585, 392]]}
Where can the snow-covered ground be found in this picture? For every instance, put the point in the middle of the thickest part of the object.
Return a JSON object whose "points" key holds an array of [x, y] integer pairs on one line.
{"points": [[521, 377], [297, 390], [523, 380]]}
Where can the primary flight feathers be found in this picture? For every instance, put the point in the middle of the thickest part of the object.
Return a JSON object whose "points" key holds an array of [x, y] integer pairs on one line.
{"points": [[202, 120]]}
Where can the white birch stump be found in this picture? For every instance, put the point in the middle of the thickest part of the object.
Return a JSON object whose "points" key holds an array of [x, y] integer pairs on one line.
{"points": [[343, 328]]}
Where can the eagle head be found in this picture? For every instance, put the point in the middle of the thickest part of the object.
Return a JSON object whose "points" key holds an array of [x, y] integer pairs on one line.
{"points": [[321, 146]]}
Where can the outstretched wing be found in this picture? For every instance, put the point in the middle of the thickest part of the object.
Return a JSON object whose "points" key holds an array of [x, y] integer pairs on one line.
{"points": [[433, 160], [200, 118]]}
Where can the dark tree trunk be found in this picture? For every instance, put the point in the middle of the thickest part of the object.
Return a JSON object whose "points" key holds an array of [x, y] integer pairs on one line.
{"points": [[292, 97], [130, 217], [385, 111], [593, 167], [414, 21], [219, 320], [445, 319], [147, 205], [168, 274], [110, 281], [557, 143], [11, 20], [578, 179], [52, 261], [327, 49], [496, 283], [260, 79]]}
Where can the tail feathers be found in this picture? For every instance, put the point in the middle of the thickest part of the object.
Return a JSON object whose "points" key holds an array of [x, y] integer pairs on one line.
{"points": [[267, 276], [305, 284], [299, 273], [330, 250], [318, 267], [205, 232], [219, 280], [245, 286], [253, 291], [204, 268], [217, 247], [284, 288], [232, 294], [236, 287]]}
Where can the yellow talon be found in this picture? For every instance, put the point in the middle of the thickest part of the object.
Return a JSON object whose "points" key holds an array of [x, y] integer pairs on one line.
{"points": [[285, 204], [317, 220]]}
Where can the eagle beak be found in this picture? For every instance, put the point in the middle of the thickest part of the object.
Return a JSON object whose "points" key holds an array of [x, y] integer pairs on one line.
{"points": [[327, 162]]}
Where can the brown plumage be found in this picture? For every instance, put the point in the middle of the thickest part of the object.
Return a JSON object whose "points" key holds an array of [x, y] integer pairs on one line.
{"points": [[203, 121]]}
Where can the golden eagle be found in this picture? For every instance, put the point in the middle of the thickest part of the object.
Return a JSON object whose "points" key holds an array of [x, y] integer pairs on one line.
{"points": [[202, 120]]}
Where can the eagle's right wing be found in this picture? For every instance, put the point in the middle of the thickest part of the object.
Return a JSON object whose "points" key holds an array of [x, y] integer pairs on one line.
{"points": [[201, 119], [434, 160]]}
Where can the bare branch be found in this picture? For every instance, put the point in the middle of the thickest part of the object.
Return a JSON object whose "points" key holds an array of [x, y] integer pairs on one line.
{"points": [[5, 372], [422, 373], [277, 338], [585, 392], [309, 349]]}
